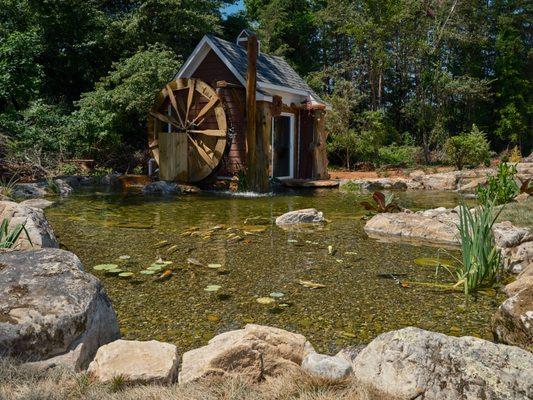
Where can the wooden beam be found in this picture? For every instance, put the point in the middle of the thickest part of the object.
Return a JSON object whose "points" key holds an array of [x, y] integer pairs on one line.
{"points": [[320, 156], [304, 106], [262, 158], [225, 84]]}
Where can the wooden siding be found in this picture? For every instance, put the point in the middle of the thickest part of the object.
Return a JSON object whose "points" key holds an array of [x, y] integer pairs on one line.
{"points": [[305, 170], [211, 70]]}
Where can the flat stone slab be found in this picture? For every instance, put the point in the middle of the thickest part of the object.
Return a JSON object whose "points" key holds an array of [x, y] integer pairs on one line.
{"points": [[50, 307], [136, 362]]}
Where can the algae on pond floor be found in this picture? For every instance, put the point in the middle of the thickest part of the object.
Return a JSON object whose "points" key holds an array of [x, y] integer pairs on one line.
{"points": [[231, 270]]}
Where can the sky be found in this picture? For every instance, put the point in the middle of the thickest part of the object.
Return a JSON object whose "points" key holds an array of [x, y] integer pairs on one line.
{"points": [[233, 8]]}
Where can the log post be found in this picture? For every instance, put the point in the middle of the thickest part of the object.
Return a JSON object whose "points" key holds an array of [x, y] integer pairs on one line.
{"points": [[258, 127], [320, 156], [251, 87]]}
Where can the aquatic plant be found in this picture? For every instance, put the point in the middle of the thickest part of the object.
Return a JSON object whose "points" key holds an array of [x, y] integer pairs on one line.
{"points": [[382, 203], [53, 185], [500, 189], [480, 262], [9, 237]]}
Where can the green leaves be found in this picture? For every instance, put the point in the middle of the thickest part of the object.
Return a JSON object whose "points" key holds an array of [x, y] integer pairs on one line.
{"points": [[9, 237], [500, 189]]}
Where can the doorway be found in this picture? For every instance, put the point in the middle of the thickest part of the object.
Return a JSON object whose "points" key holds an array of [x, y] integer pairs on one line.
{"points": [[283, 146]]}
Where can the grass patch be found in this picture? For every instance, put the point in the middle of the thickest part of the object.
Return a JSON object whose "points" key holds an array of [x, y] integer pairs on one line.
{"points": [[19, 382], [520, 214]]}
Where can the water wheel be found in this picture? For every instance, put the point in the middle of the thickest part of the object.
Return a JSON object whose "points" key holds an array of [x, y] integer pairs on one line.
{"points": [[187, 130]]}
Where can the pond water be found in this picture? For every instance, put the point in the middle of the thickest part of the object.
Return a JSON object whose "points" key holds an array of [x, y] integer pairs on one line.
{"points": [[357, 303]]}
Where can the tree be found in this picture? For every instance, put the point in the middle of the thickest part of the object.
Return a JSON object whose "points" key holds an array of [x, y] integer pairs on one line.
{"points": [[113, 116]]}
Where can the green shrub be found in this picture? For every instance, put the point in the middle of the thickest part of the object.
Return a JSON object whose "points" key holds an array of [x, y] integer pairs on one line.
{"points": [[500, 189], [114, 114], [398, 155], [470, 148]]}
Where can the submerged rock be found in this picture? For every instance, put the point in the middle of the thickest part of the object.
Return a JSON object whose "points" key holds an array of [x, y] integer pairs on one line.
{"points": [[305, 216], [39, 231], [165, 187], [253, 352], [136, 362], [412, 363], [328, 367], [51, 310], [30, 190]]}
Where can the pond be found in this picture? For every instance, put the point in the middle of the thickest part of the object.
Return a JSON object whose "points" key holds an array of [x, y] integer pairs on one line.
{"points": [[359, 299]]}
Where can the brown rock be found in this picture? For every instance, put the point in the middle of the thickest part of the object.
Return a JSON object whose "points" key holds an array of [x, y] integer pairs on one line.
{"points": [[441, 181], [513, 321], [252, 352]]}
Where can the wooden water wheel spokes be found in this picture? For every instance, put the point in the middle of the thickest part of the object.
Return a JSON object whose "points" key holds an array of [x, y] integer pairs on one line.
{"points": [[187, 129]]}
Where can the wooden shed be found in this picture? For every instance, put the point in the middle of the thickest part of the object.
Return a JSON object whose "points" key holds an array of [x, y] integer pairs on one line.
{"points": [[212, 99]]}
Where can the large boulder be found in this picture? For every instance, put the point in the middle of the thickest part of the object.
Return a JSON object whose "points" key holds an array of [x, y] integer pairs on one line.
{"points": [[513, 321], [431, 226], [412, 363], [508, 235], [136, 362], [305, 216], [39, 231], [440, 181], [253, 352], [30, 190], [524, 280], [51, 308]]}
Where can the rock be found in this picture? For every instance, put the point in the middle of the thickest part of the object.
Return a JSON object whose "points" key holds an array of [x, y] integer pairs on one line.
{"points": [[39, 231], [111, 179], [432, 227], [441, 181], [77, 180], [528, 159], [513, 321], [37, 203], [164, 187], [252, 352], [305, 216], [417, 175], [412, 363], [524, 280], [136, 362], [64, 188], [472, 185], [50, 308], [508, 235], [350, 353], [519, 198], [29, 190], [327, 367], [520, 256]]}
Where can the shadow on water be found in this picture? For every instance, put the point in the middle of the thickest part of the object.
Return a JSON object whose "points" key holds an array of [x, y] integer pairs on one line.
{"points": [[258, 261]]}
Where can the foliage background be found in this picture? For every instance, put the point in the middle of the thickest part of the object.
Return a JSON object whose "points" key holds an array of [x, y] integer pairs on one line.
{"points": [[403, 76]]}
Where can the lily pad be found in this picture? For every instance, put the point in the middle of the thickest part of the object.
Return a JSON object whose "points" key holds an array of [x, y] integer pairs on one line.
{"points": [[124, 257], [277, 295], [147, 272], [311, 285], [212, 288], [433, 262], [155, 267], [214, 266], [265, 300], [125, 274], [105, 267], [115, 271]]}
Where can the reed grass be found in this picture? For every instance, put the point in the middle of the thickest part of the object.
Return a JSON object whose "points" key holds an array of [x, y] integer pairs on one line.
{"points": [[480, 263]]}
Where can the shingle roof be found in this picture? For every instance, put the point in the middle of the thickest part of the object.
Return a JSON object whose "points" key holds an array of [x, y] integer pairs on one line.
{"points": [[270, 69]]}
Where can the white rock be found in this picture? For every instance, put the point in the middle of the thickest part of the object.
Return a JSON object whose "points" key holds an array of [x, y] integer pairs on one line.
{"points": [[412, 363], [305, 216], [37, 203], [329, 367], [39, 231], [136, 362]]}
